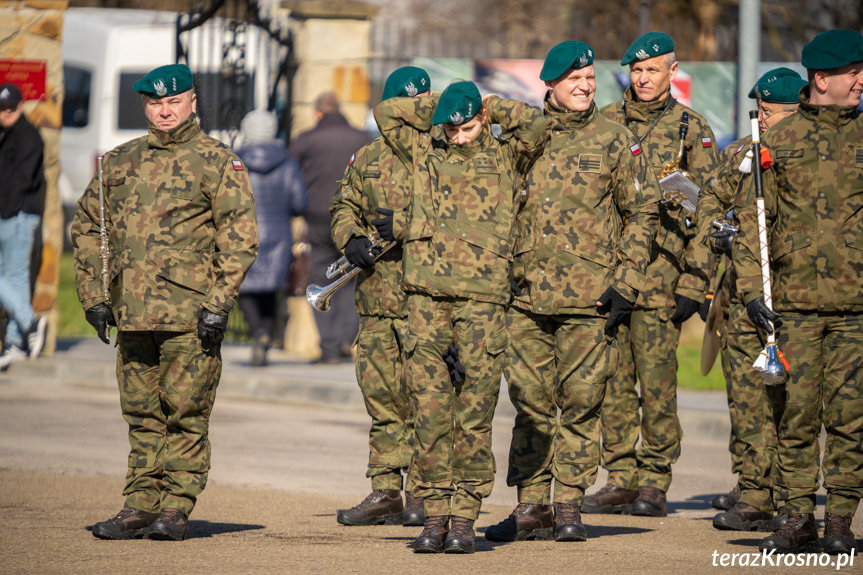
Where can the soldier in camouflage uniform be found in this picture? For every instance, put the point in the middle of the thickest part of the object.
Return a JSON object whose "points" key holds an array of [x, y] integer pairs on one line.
{"points": [[673, 291], [457, 246], [587, 215], [378, 182], [182, 233], [812, 193], [750, 403]]}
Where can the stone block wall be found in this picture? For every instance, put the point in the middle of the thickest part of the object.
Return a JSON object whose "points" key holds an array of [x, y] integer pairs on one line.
{"points": [[32, 30]]}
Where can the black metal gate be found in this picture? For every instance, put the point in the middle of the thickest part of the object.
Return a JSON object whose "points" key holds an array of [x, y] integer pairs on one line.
{"points": [[241, 55]]}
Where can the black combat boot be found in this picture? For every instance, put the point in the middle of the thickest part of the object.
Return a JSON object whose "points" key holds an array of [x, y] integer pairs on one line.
{"points": [[433, 535], [743, 517], [838, 537], [127, 524], [413, 515], [651, 503], [170, 526], [610, 499], [461, 538], [567, 523], [527, 522], [799, 534], [380, 507], [727, 500]]}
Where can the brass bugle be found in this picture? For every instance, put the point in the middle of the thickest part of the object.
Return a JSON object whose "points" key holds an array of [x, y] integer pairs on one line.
{"points": [[319, 296]]}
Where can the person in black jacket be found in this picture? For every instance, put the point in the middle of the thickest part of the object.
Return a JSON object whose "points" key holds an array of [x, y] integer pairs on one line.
{"points": [[323, 152], [22, 200]]}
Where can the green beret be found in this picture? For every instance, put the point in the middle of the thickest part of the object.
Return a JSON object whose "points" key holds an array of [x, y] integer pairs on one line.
{"points": [[778, 86], [647, 46], [165, 81], [458, 104], [566, 55], [407, 81], [833, 49]]}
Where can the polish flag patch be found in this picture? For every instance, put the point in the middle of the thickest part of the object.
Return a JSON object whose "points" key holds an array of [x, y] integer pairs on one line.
{"points": [[636, 149], [706, 143], [238, 165]]}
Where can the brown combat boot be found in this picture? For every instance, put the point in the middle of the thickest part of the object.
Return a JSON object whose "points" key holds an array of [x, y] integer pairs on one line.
{"points": [[567, 523], [610, 499], [413, 515], [127, 524], [799, 534], [727, 500], [170, 526], [461, 538], [527, 522], [743, 517], [380, 507], [838, 537], [650, 503], [433, 535]]}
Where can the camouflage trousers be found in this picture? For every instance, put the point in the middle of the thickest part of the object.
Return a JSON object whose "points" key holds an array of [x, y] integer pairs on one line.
{"points": [[453, 466], [751, 406], [380, 374], [554, 364], [648, 354], [824, 387], [167, 388]]}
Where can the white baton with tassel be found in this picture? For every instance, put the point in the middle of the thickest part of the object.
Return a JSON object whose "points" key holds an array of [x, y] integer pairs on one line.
{"points": [[771, 363]]}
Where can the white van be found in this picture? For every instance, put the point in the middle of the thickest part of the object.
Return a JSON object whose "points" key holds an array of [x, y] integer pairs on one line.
{"points": [[105, 51]]}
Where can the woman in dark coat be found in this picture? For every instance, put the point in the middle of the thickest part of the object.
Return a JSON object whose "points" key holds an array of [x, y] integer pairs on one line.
{"points": [[280, 194]]}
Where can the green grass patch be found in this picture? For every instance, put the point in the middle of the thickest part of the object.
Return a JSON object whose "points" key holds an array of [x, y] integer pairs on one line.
{"points": [[71, 321], [689, 369]]}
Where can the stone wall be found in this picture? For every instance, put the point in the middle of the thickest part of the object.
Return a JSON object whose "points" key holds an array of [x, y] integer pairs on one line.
{"points": [[332, 48], [32, 30]]}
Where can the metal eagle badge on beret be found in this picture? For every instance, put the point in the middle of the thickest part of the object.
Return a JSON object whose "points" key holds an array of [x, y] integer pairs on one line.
{"points": [[165, 81]]}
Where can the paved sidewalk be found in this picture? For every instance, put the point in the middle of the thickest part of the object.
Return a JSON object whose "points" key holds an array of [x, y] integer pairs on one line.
{"points": [[288, 377]]}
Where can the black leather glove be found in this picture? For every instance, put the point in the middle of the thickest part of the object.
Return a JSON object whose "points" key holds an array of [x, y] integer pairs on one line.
{"points": [[384, 225], [686, 308], [101, 317], [618, 308], [760, 314], [358, 252], [456, 369], [211, 327], [722, 242]]}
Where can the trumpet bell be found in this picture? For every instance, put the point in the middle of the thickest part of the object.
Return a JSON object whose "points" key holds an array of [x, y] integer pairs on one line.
{"points": [[319, 297]]}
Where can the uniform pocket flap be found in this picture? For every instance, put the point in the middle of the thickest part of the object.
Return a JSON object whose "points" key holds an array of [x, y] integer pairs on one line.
{"points": [[190, 269], [497, 341], [487, 241], [587, 250], [785, 244]]}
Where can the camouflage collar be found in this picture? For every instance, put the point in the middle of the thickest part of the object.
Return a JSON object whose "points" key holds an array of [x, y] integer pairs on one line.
{"points": [[179, 135], [829, 115], [568, 120], [636, 111]]}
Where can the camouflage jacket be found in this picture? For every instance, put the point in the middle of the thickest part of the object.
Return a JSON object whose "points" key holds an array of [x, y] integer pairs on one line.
{"points": [[182, 230], [656, 125], [459, 233], [813, 195], [376, 178], [572, 242]]}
